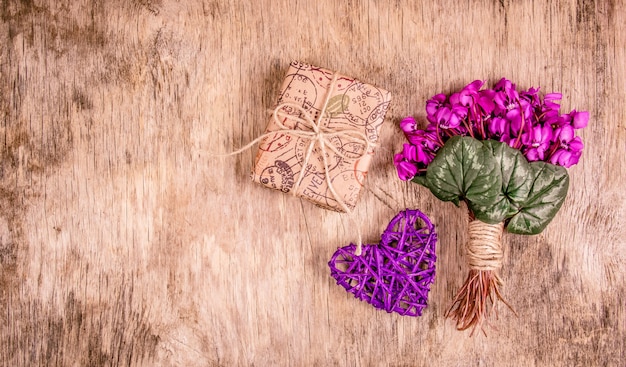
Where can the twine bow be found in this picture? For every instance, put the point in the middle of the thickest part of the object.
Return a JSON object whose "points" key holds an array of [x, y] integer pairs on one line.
{"points": [[317, 135], [320, 136]]}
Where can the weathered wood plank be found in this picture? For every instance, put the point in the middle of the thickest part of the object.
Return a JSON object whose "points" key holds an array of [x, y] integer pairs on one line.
{"points": [[124, 242]]}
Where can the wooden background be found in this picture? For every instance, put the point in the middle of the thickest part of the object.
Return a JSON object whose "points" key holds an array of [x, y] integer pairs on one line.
{"points": [[124, 242]]}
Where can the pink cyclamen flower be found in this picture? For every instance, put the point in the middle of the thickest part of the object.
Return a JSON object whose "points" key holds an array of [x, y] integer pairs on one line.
{"points": [[447, 119], [532, 96], [406, 170], [433, 105], [425, 139], [579, 119], [498, 127], [468, 95], [408, 125], [569, 147], [519, 114], [538, 141], [522, 119], [569, 156], [485, 101], [564, 134], [406, 162], [548, 101], [409, 152], [505, 97]]}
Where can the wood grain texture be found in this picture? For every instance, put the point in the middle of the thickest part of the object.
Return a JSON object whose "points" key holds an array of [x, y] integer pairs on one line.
{"points": [[124, 242]]}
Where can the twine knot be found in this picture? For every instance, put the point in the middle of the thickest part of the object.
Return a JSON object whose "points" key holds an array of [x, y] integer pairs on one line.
{"points": [[318, 135], [484, 248]]}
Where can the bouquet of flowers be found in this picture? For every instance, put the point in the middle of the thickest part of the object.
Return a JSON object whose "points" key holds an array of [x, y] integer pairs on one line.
{"points": [[504, 153]]}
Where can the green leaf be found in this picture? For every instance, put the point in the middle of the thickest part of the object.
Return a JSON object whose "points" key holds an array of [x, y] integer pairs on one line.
{"points": [[515, 171], [547, 193], [494, 213], [420, 180], [464, 169]]}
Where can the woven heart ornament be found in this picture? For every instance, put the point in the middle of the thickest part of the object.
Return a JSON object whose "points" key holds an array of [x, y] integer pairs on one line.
{"points": [[396, 274]]}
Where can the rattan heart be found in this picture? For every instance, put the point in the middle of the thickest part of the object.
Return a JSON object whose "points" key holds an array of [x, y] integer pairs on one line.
{"points": [[396, 274]]}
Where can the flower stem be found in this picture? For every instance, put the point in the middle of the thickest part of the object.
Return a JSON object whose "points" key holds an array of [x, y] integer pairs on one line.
{"points": [[521, 128], [439, 135], [477, 123], [555, 146], [480, 292], [470, 308], [468, 126]]}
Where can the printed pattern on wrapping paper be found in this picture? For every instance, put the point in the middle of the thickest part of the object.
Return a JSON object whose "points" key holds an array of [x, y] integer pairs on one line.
{"points": [[353, 105]]}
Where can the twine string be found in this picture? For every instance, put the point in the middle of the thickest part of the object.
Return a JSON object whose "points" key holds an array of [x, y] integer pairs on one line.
{"points": [[484, 248], [480, 292], [316, 135]]}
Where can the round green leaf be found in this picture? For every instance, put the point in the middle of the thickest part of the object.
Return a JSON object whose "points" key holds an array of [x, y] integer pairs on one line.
{"points": [[549, 185], [494, 213], [464, 169], [515, 171]]}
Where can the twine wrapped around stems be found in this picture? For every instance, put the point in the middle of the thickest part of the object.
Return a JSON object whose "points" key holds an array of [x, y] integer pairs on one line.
{"points": [[484, 248], [480, 293]]}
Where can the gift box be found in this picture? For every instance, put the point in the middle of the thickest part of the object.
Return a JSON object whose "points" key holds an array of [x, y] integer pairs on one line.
{"points": [[321, 137]]}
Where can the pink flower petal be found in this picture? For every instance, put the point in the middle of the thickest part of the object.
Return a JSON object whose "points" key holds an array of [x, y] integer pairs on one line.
{"points": [[580, 120]]}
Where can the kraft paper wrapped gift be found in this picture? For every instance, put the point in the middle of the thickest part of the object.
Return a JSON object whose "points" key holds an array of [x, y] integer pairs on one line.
{"points": [[321, 137]]}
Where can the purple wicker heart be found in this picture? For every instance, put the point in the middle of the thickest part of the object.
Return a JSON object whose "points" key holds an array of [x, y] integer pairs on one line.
{"points": [[396, 274]]}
